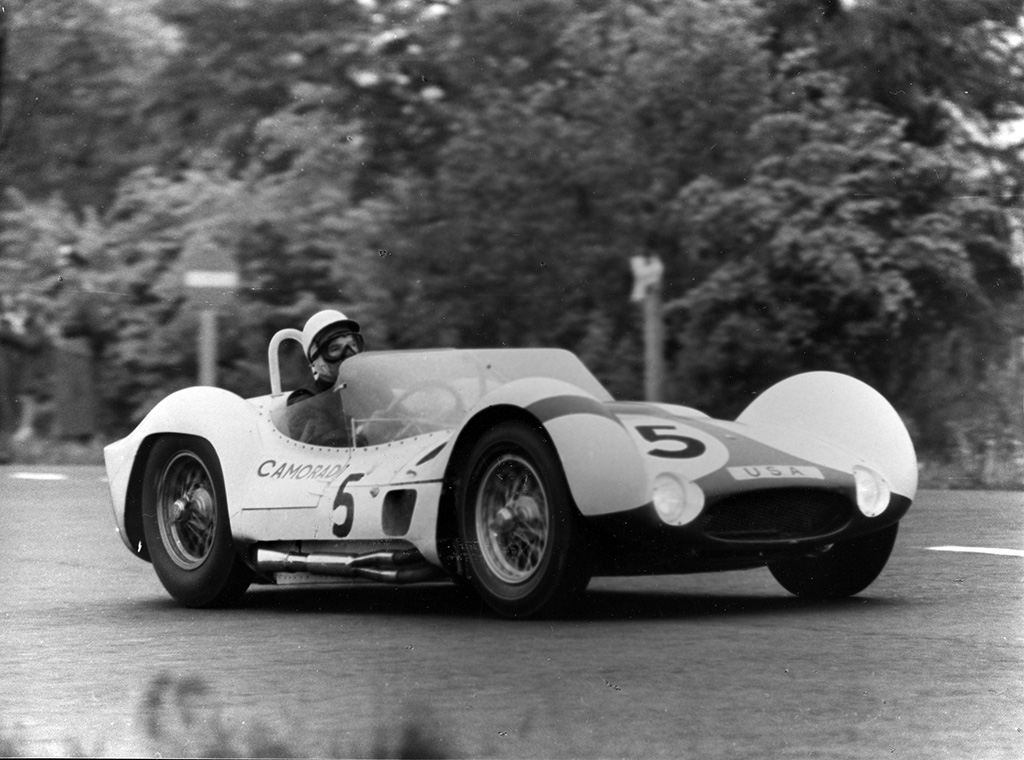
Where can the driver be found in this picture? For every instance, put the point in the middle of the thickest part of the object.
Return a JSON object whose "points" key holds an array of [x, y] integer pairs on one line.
{"points": [[328, 339]]}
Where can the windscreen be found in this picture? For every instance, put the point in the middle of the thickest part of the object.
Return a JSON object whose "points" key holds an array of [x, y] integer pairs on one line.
{"points": [[389, 395]]}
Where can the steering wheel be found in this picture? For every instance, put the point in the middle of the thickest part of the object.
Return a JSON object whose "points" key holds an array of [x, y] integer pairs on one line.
{"points": [[418, 426], [426, 385]]}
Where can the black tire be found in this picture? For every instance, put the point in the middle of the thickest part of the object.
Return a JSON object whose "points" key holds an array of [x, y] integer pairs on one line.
{"points": [[185, 520], [845, 569], [526, 549]]}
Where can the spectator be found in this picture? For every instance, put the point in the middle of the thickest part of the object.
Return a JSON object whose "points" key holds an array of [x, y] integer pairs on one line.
{"points": [[83, 332], [20, 341]]}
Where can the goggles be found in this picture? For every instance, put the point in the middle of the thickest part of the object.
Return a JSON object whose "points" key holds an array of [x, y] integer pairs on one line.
{"points": [[339, 348]]}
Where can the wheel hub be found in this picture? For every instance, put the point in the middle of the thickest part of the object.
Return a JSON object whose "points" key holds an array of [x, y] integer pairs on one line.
{"points": [[512, 522], [186, 511], [199, 503]]}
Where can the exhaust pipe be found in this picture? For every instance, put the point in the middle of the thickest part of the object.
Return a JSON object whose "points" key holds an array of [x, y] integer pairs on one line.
{"points": [[405, 566]]}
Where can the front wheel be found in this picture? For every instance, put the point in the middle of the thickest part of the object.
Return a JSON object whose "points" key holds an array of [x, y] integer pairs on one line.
{"points": [[525, 542], [185, 521], [844, 569]]}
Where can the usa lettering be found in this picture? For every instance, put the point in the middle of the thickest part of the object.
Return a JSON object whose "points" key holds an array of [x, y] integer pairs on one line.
{"points": [[772, 471], [775, 472]]}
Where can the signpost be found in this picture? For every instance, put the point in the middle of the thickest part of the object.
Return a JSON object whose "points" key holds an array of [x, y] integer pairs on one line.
{"points": [[647, 274], [211, 283]]}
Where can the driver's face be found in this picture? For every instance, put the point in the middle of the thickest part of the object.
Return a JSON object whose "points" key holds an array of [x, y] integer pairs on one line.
{"points": [[325, 370], [333, 353], [341, 347]]}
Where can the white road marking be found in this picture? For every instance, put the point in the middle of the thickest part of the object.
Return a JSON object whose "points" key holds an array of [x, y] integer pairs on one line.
{"points": [[978, 550], [38, 476]]}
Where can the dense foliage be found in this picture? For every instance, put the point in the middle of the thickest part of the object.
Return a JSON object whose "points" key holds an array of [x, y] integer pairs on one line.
{"points": [[825, 181]]}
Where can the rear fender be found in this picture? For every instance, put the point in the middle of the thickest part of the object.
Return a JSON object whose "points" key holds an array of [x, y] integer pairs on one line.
{"points": [[227, 421], [845, 412]]}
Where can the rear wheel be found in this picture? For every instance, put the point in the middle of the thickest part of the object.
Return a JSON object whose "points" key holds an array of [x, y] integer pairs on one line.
{"points": [[524, 540], [185, 520], [844, 569]]}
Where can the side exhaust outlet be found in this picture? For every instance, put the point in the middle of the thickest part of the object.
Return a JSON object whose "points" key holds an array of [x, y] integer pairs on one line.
{"points": [[405, 566]]}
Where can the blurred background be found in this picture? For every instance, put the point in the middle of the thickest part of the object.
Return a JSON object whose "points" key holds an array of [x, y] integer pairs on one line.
{"points": [[825, 184]]}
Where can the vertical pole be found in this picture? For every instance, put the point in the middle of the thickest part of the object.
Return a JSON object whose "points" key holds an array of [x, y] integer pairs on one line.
{"points": [[3, 62], [208, 347], [647, 274], [654, 342], [4, 82]]}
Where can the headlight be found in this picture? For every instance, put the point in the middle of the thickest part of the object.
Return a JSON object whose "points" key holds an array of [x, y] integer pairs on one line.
{"points": [[677, 503], [873, 492]]}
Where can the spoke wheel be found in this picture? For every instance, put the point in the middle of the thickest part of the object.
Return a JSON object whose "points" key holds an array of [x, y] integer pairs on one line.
{"points": [[186, 510], [185, 522], [524, 539], [512, 519]]}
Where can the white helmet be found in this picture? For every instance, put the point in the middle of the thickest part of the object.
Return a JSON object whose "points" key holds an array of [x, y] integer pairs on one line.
{"points": [[321, 324]]}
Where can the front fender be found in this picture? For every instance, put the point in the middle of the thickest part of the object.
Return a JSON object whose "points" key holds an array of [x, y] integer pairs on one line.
{"points": [[602, 466], [845, 412]]}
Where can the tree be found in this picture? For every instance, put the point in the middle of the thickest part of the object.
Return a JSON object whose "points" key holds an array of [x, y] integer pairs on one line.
{"points": [[850, 249], [950, 70], [73, 71], [480, 173], [293, 229], [561, 171], [242, 62]]}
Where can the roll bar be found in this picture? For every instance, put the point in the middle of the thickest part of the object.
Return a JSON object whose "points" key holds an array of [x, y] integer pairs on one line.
{"points": [[273, 356]]}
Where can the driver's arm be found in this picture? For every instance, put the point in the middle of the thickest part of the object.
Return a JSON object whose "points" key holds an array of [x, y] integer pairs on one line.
{"points": [[320, 420]]}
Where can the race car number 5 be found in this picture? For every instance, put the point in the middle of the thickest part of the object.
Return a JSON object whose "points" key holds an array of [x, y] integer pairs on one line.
{"points": [[683, 447], [343, 512]]}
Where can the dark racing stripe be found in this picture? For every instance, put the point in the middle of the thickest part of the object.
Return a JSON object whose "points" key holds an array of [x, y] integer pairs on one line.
{"points": [[560, 406], [649, 410]]}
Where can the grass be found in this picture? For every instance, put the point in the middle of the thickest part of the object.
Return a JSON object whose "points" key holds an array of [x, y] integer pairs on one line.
{"points": [[183, 717], [56, 452], [951, 475], [989, 470]]}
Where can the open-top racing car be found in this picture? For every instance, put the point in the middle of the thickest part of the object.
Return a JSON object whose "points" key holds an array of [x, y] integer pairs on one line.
{"points": [[513, 471]]}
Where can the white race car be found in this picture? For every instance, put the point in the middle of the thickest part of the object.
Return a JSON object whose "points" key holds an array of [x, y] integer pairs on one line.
{"points": [[512, 470]]}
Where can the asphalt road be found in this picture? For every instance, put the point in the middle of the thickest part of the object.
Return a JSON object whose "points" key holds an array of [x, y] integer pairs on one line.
{"points": [[96, 659]]}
